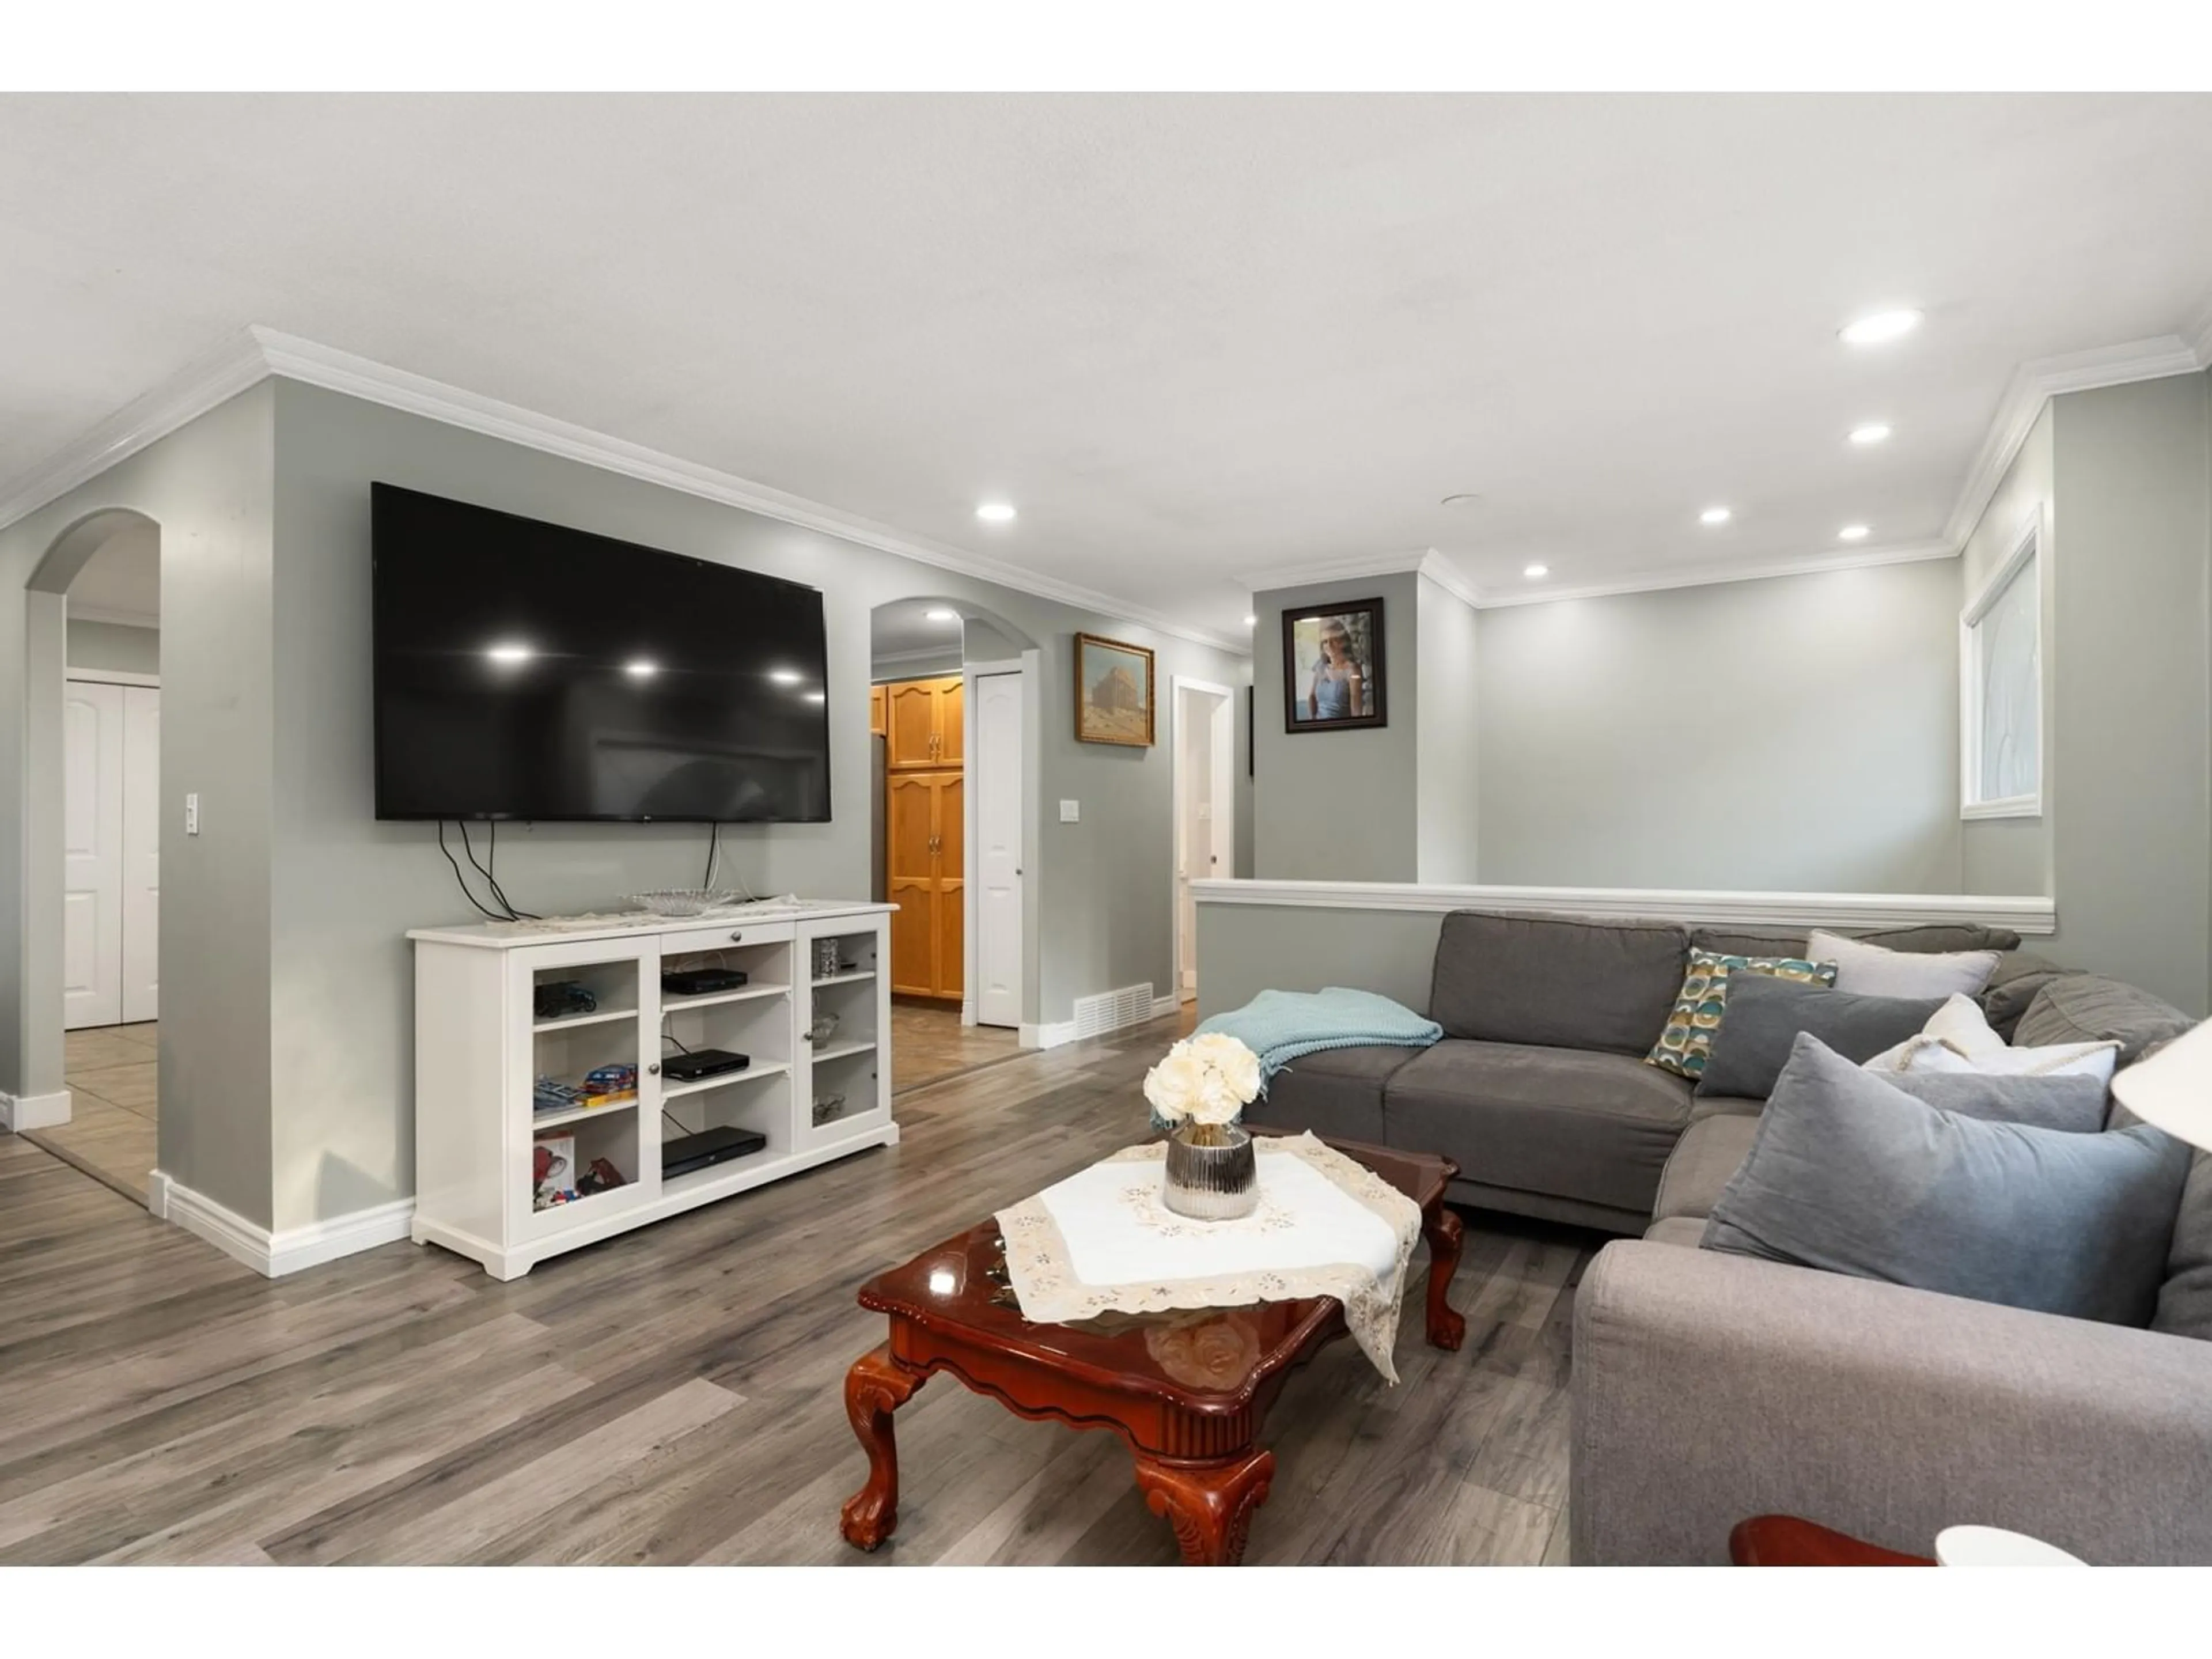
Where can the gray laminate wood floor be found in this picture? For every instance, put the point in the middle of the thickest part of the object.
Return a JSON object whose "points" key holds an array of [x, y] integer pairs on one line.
{"points": [[673, 1395]]}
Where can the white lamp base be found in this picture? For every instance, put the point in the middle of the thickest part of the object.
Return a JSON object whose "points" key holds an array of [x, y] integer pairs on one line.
{"points": [[1993, 1546]]}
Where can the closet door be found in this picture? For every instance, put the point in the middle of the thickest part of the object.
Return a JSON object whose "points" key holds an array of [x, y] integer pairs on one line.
{"points": [[141, 852], [911, 715], [91, 840], [910, 881], [952, 884]]}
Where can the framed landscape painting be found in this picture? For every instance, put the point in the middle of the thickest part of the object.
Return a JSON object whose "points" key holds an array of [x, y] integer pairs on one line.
{"points": [[1333, 669], [1113, 692]]}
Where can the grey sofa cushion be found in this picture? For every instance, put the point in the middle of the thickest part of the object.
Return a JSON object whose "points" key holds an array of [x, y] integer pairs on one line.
{"points": [[1766, 1014], [1702, 1166], [2074, 1105], [1336, 1092], [2184, 1302], [1554, 981], [1705, 1106], [1927, 936], [2089, 1008], [1850, 1175], [1568, 1122], [2019, 975]]}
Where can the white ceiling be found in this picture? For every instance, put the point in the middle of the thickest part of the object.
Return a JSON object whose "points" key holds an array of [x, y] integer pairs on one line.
{"points": [[1189, 337]]}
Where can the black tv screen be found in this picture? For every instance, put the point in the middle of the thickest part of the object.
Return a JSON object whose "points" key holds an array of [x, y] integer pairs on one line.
{"points": [[524, 671]]}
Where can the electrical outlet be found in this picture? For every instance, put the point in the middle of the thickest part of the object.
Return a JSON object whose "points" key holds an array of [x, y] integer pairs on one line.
{"points": [[192, 815], [1070, 812]]}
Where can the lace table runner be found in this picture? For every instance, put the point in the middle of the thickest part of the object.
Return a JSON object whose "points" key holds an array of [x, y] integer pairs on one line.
{"points": [[1103, 1241]]}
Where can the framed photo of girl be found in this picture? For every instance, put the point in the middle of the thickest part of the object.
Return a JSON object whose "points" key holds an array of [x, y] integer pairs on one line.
{"points": [[1332, 670]]}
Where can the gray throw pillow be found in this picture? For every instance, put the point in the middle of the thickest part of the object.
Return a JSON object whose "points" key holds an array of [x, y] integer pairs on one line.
{"points": [[2184, 1304], [1765, 1015], [2074, 1105], [1853, 1175]]}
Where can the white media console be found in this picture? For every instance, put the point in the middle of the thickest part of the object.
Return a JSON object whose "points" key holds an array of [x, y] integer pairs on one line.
{"points": [[480, 1045]]}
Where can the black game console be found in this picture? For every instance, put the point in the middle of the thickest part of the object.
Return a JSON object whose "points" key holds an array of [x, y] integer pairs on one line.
{"points": [[703, 1062], [701, 982], [686, 1153]]}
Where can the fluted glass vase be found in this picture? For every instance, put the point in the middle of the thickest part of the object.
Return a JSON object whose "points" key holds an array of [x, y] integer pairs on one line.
{"points": [[1212, 1173]]}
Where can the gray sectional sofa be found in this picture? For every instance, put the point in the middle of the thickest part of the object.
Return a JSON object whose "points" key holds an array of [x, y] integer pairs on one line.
{"points": [[1539, 1090], [1708, 1388]]}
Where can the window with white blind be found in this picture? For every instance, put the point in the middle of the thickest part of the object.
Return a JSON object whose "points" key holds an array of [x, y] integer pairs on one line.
{"points": [[2001, 687]]}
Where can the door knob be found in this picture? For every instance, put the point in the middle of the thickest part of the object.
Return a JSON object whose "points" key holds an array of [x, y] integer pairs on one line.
{"points": [[737, 939]]}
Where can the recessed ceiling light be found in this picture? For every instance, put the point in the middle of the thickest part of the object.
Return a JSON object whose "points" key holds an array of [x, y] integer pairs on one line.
{"points": [[1533, 571], [995, 513], [1715, 515], [509, 654], [1880, 326], [1853, 532], [817, 696], [1467, 498], [940, 614], [642, 669], [785, 676], [1873, 432], [1251, 622]]}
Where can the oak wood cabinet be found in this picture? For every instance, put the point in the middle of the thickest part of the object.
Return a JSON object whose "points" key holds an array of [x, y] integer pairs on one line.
{"points": [[922, 720], [925, 878]]}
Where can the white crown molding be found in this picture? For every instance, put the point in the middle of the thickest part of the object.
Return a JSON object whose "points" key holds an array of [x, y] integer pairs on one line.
{"points": [[2198, 333], [1706, 575], [256, 353], [2035, 384], [2023, 915], [1424, 562], [1349, 569], [415, 394], [103, 613], [938, 654], [215, 377]]}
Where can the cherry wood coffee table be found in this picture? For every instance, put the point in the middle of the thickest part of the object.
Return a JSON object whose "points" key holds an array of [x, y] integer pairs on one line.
{"points": [[1789, 1540], [1187, 1391]]}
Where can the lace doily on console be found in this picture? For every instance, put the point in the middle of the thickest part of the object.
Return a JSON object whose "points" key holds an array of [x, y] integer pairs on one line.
{"points": [[1102, 1241]]}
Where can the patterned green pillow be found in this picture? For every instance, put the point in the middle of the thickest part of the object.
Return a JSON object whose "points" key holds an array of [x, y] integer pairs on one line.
{"points": [[1683, 1045]]}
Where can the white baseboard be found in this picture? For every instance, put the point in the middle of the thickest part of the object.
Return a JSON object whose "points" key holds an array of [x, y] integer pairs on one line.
{"points": [[274, 1254], [1062, 1031], [19, 1112]]}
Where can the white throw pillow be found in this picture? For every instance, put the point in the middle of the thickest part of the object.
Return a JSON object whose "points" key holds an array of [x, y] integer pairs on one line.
{"points": [[1958, 1038], [1875, 970]]}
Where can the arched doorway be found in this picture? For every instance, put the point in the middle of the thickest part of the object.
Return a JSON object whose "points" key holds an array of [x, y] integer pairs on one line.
{"points": [[91, 887], [954, 712]]}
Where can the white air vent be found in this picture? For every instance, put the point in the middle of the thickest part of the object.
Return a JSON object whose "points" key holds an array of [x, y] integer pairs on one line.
{"points": [[1109, 1011]]}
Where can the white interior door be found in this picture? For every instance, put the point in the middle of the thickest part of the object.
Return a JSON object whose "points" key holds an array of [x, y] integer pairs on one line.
{"points": [[92, 821], [1194, 826], [142, 852], [996, 769]]}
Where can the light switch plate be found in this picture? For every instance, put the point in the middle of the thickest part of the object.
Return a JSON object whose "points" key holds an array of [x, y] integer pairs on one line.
{"points": [[192, 815], [1070, 812]]}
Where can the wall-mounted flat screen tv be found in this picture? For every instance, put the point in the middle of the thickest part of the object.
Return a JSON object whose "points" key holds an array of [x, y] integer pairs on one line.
{"points": [[525, 670]]}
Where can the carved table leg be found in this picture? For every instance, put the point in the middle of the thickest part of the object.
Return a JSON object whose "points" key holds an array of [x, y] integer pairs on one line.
{"points": [[877, 1386], [1441, 1228], [1209, 1505]]}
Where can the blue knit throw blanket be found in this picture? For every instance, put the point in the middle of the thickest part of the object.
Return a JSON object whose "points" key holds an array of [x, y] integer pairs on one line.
{"points": [[1279, 1026]]}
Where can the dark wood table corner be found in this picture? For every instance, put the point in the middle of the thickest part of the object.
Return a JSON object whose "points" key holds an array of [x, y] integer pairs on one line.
{"points": [[1789, 1541], [1190, 1414]]}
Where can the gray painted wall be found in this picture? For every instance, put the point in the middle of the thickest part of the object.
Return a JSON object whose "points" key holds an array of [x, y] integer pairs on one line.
{"points": [[1450, 745], [210, 487], [1795, 733], [2129, 787], [1339, 805], [2013, 855], [115, 646], [347, 887], [1245, 948]]}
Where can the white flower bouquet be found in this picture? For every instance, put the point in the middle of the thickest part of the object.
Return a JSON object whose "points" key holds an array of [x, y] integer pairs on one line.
{"points": [[1206, 1080]]}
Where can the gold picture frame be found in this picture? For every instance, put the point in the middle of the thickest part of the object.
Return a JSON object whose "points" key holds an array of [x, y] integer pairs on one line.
{"points": [[1114, 692]]}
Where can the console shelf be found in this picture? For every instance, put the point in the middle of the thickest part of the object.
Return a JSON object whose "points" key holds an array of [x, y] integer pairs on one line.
{"points": [[479, 1050]]}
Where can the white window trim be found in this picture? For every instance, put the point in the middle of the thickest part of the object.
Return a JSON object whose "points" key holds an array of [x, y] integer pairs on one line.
{"points": [[2028, 545]]}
